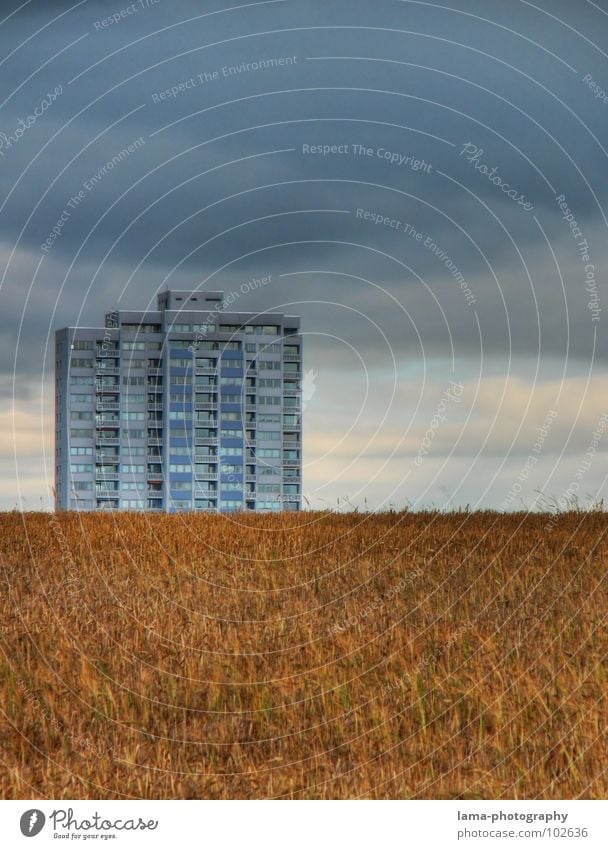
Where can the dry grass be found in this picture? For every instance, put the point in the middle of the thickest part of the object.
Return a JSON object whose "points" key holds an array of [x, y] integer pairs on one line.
{"points": [[304, 656]]}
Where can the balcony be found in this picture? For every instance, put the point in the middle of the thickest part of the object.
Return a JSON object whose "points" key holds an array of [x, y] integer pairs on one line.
{"points": [[102, 351], [156, 406], [207, 371], [205, 493], [205, 405], [107, 440], [156, 440], [155, 493], [107, 405], [205, 458], [206, 440]]}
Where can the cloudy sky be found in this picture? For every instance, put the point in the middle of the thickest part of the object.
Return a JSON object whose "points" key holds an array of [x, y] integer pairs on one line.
{"points": [[402, 169]]}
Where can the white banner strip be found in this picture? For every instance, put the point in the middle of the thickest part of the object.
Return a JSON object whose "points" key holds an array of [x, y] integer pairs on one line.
{"points": [[306, 824]]}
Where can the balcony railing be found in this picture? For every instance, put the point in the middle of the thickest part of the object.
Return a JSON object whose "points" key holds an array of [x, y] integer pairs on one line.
{"points": [[107, 440], [205, 405]]}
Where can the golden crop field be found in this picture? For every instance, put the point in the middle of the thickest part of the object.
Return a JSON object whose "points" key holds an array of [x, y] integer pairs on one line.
{"points": [[311, 655]]}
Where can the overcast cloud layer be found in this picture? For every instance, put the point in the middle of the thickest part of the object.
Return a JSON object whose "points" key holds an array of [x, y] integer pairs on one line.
{"points": [[454, 330]]}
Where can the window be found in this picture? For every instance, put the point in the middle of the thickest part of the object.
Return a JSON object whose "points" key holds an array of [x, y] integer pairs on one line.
{"points": [[182, 415], [82, 486], [129, 469], [180, 328], [180, 363], [78, 468], [231, 469], [291, 488], [269, 383], [269, 400], [204, 504], [269, 418], [291, 454], [180, 486], [179, 344], [231, 432], [133, 433], [142, 328], [180, 380], [133, 346], [134, 398], [82, 345], [231, 399], [231, 452], [269, 452], [81, 381], [231, 417], [291, 420], [291, 366], [291, 350], [269, 434], [234, 381], [231, 363], [80, 452], [81, 399], [134, 381], [181, 468], [80, 433], [205, 362], [232, 346], [269, 488], [181, 504], [78, 362], [136, 451], [180, 451], [227, 504], [132, 504], [133, 485], [132, 417], [269, 365]]}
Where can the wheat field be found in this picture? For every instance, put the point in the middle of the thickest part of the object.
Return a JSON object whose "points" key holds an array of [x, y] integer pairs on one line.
{"points": [[304, 656]]}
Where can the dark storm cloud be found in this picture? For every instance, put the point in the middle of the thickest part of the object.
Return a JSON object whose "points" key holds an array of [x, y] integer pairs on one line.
{"points": [[463, 80]]}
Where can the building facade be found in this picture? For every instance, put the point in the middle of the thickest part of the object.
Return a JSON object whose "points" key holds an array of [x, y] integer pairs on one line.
{"points": [[187, 407]]}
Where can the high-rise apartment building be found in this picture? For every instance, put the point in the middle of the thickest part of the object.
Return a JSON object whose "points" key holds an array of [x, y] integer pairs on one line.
{"points": [[187, 407]]}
